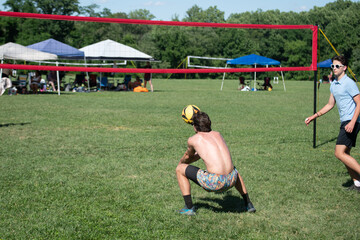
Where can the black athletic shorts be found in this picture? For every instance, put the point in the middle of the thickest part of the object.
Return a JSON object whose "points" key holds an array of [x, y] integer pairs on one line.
{"points": [[191, 173], [345, 138]]}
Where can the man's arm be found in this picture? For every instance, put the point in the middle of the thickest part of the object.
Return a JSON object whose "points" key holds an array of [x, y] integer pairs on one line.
{"points": [[190, 155], [350, 126], [325, 109]]}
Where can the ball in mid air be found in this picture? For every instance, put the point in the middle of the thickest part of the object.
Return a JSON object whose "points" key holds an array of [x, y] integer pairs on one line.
{"points": [[188, 112]]}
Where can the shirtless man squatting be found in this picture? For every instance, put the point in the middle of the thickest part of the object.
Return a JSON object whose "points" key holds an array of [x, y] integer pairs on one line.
{"points": [[220, 174]]}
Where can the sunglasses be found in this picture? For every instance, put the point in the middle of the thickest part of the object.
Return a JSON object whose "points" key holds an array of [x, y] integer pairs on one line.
{"points": [[336, 66]]}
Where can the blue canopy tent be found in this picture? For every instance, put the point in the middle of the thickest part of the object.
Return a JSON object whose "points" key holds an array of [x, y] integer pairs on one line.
{"points": [[255, 60], [325, 64], [60, 49]]}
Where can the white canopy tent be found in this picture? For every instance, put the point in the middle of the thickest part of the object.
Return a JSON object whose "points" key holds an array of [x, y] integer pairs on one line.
{"points": [[19, 52], [16, 51], [111, 50]]}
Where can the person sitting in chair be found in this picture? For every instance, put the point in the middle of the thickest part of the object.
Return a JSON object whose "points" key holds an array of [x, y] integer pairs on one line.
{"points": [[241, 83], [52, 78], [79, 80], [5, 81], [35, 82], [135, 84], [267, 83]]}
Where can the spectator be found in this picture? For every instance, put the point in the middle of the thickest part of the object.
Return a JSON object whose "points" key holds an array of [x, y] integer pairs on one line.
{"points": [[267, 83], [5, 81], [35, 82], [6, 73], [51, 77], [147, 77], [135, 84], [241, 83]]}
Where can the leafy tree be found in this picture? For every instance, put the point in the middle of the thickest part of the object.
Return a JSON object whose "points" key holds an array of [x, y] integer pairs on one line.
{"points": [[86, 33], [355, 64], [210, 15], [12, 27], [32, 30], [194, 14], [138, 31], [298, 53]]}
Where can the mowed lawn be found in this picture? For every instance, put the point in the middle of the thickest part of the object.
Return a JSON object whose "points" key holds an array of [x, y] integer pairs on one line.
{"points": [[101, 165]]}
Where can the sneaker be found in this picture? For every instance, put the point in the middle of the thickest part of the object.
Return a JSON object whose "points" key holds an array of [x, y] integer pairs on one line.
{"points": [[353, 187], [250, 208], [187, 211]]}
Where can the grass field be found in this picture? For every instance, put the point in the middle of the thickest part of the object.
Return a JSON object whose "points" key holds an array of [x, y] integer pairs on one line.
{"points": [[102, 165]]}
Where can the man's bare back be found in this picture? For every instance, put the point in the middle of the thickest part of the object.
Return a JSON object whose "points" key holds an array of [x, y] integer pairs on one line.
{"points": [[212, 149]]}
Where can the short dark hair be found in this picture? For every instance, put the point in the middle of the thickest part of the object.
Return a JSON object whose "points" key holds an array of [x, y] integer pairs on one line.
{"points": [[202, 122], [341, 59]]}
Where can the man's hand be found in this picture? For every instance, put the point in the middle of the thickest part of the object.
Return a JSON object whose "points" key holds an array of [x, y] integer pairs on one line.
{"points": [[309, 120], [349, 127], [189, 158]]}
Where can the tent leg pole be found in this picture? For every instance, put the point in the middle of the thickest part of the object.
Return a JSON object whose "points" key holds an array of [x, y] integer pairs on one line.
{"points": [[87, 74], [222, 83], [58, 79], [2, 61], [255, 79], [282, 75], [314, 130], [100, 80]]}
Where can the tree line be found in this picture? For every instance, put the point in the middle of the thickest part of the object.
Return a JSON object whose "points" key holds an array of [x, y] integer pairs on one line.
{"points": [[339, 20]]}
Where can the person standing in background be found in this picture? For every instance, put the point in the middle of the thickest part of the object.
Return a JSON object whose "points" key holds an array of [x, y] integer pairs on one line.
{"points": [[148, 77]]}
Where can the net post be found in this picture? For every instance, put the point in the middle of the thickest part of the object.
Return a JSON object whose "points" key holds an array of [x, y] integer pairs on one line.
{"points": [[314, 66], [314, 121]]}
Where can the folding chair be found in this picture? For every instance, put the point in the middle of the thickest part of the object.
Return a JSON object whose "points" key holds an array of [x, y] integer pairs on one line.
{"points": [[103, 82], [21, 81], [127, 79], [93, 80]]}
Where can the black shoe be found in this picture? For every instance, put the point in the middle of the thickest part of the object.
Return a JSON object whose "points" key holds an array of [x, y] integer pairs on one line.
{"points": [[353, 187], [250, 208]]}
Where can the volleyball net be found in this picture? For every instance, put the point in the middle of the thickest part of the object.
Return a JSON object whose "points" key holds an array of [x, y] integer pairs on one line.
{"points": [[311, 67]]}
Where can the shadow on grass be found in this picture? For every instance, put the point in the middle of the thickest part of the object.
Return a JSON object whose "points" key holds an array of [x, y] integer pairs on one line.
{"points": [[229, 203], [326, 142], [46, 93], [348, 183], [55, 93], [13, 124]]}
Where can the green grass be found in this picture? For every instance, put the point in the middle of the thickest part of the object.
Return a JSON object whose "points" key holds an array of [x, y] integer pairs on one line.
{"points": [[102, 165]]}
